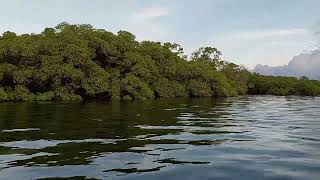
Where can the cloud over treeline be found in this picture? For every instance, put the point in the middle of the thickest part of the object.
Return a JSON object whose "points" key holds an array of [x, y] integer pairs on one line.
{"points": [[305, 64]]}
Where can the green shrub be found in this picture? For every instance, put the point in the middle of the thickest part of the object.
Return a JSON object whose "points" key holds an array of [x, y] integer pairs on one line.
{"points": [[63, 94], [165, 89], [199, 89], [47, 96], [127, 98], [135, 88], [21, 93], [76, 62], [3, 95]]}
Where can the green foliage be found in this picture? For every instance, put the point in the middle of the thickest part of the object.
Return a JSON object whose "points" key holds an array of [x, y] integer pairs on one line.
{"points": [[20, 93], [199, 89], [46, 96], [127, 98], [207, 54], [6, 74], [165, 89], [3, 95], [306, 88], [63, 94], [135, 88], [115, 82], [283, 86], [78, 62], [23, 76], [96, 82], [237, 76]]}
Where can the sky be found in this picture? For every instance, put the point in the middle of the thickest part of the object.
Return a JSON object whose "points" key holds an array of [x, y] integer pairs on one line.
{"points": [[248, 32]]}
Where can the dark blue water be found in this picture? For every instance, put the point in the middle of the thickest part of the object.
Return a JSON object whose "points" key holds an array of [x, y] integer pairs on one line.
{"points": [[253, 137]]}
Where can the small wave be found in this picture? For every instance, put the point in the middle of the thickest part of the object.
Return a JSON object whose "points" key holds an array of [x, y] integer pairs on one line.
{"points": [[20, 130]]}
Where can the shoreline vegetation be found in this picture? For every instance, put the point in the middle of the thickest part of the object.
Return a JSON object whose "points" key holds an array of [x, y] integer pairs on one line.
{"points": [[78, 63]]}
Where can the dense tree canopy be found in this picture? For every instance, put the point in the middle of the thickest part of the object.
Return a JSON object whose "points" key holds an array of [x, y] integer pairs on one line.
{"points": [[78, 62]]}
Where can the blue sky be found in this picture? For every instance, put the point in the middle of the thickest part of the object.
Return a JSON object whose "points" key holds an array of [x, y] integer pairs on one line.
{"points": [[248, 32]]}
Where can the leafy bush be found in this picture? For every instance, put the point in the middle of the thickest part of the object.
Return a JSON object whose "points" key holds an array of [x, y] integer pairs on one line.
{"points": [[199, 89], [135, 88], [21, 93], [78, 62], [3, 95]]}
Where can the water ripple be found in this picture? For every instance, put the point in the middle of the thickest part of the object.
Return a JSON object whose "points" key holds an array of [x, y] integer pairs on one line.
{"points": [[250, 137]]}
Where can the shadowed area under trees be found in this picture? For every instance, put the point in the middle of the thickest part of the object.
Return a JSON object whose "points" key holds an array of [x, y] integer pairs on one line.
{"points": [[78, 62]]}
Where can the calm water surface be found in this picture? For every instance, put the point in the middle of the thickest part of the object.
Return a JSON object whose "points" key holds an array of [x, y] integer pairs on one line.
{"points": [[253, 137]]}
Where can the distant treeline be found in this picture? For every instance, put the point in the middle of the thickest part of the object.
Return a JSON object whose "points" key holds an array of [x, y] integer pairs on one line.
{"points": [[78, 62]]}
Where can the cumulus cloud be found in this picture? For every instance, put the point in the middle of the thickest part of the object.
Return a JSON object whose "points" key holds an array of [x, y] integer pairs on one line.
{"points": [[305, 64]]}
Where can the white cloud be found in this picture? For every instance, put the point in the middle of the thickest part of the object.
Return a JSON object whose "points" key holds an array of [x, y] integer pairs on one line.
{"points": [[145, 25], [151, 13], [271, 46], [267, 34], [306, 64]]}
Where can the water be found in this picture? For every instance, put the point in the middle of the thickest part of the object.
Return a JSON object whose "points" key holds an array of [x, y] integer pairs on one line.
{"points": [[253, 137]]}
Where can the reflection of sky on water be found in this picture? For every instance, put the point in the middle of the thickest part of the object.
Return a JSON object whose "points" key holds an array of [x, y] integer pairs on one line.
{"points": [[254, 137]]}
